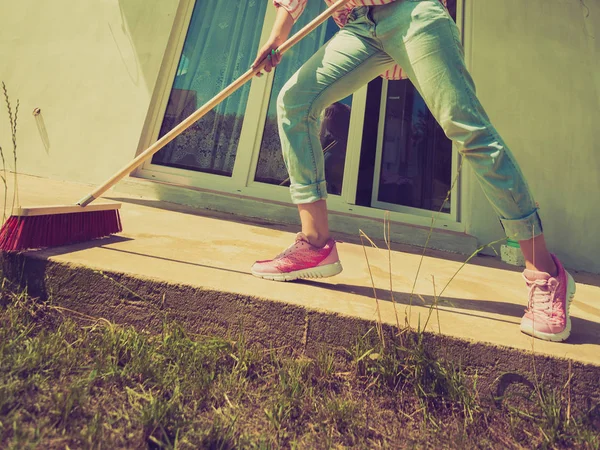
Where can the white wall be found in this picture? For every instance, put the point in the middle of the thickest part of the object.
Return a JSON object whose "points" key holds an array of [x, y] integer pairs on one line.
{"points": [[91, 67], [536, 64]]}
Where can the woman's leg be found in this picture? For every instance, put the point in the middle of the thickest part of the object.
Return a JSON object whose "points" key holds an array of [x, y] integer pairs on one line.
{"points": [[537, 256], [348, 61], [315, 223], [423, 39], [340, 67]]}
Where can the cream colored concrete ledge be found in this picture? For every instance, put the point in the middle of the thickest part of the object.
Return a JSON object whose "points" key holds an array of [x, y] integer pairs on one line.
{"points": [[480, 302]]}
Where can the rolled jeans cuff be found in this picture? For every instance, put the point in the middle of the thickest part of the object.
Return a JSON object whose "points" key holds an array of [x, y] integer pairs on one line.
{"points": [[523, 229], [308, 193]]}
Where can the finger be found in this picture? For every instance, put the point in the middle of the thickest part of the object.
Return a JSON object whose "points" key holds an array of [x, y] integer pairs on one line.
{"points": [[269, 64], [262, 54], [276, 58], [256, 64], [273, 57]]}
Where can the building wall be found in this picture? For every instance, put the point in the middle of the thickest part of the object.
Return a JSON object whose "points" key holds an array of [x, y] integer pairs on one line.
{"points": [[92, 67], [536, 64]]}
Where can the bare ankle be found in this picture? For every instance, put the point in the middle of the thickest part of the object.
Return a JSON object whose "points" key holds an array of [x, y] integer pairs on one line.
{"points": [[317, 240], [537, 256], [315, 227], [547, 265]]}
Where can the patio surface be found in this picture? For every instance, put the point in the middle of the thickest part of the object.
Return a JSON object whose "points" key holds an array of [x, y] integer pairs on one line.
{"points": [[183, 246]]}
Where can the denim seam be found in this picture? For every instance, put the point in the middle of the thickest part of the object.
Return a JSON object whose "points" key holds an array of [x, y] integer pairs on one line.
{"points": [[494, 135], [433, 26]]}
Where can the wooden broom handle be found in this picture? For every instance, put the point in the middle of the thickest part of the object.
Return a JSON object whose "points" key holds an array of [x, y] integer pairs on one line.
{"points": [[203, 110]]}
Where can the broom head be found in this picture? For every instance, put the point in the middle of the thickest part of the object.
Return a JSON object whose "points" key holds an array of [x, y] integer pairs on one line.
{"points": [[52, 226]]}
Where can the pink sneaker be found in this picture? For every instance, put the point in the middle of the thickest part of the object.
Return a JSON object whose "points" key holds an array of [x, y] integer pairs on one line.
{"points": [[300, 260], [547, 314]]}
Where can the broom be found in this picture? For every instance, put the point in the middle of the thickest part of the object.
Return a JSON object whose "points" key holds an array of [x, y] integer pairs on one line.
{"points": [[50, 226]]}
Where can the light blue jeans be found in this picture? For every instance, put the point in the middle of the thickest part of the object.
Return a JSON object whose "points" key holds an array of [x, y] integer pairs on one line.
{"points": [[423, 39]]}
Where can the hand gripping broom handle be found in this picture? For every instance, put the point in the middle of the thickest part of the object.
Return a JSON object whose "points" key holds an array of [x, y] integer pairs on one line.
{"points": [[203, 110]]}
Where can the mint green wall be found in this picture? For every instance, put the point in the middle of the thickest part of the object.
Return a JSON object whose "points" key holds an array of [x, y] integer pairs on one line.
{"points": [[91, 66], [536, 64]]}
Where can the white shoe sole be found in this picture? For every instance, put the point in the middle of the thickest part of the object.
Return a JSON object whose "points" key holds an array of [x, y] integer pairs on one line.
{"points": [[328, 270], [563, 335]]}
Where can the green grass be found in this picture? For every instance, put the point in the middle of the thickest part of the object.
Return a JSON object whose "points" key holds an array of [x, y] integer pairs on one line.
{"points": [[93, 384]]}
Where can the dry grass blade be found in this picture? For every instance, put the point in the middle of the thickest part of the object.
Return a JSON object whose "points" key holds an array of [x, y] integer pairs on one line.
{"points": [[13, 119], [387, 238], [568, 387], [379, 321], [434, 217]]}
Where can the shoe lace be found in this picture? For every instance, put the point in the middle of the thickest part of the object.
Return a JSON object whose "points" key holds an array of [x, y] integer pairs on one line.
{"points": [[542, 294], [300, 237]]}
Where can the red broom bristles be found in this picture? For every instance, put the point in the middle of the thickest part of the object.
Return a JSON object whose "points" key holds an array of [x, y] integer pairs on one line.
{"points": [[52, 230]]}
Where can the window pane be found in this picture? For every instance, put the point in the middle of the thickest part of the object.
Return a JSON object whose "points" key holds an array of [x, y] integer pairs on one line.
{"points": [[334, 126], [416, 163], [220, 46]]}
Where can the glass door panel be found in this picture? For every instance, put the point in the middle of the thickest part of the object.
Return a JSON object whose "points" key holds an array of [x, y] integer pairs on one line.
{"points": [[220, 45], [416, 157]]}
